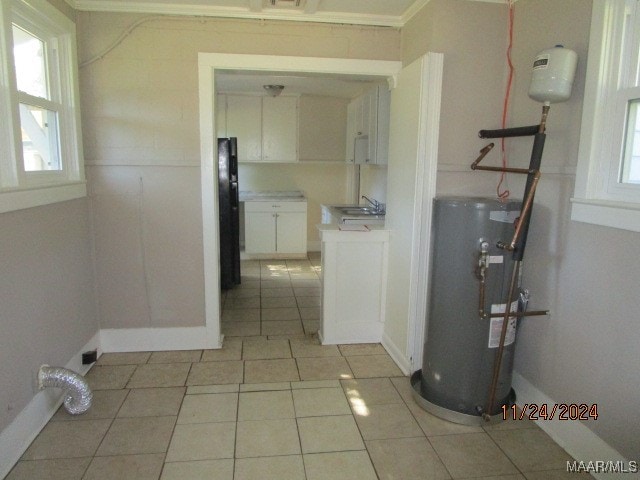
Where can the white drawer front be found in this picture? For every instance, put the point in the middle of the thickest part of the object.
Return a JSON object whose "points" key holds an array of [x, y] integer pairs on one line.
{"points": [[275, 207]]}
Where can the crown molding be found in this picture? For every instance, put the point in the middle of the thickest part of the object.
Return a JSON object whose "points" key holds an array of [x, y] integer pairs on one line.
{"points": [[232, 12], [413, 10], [157, 8]]}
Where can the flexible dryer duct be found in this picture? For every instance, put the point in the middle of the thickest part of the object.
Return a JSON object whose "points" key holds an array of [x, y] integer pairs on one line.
{"points": [[78, 395]]}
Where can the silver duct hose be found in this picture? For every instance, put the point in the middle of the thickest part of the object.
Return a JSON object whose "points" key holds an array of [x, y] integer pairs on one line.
{"points": [[77, 393]]}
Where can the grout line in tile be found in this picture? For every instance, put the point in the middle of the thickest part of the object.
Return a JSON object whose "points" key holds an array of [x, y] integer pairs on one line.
{"points": [[503, 452]]}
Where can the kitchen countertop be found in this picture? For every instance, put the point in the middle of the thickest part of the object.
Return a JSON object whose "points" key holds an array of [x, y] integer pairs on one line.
{"points": [[329, 228], [271, 196]]}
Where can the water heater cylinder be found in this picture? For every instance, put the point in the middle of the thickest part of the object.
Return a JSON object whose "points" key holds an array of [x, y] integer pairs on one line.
{"points": [[553, 72], [460, 346]]}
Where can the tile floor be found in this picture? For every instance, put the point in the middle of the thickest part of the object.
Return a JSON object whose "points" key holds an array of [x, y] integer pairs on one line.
{"points": [[273, 404]]}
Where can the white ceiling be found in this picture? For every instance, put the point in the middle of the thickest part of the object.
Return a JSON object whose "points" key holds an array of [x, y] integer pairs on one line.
{"points": [[391, 13]]}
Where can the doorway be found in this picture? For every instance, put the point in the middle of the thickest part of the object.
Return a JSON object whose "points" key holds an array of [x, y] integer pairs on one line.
{"points": [[425, 161]]}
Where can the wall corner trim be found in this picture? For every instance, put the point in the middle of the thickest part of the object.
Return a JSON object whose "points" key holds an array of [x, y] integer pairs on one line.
{"points": [[396, 354]]}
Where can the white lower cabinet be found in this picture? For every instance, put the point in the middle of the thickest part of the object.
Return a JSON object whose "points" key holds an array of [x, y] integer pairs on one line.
{"points": [[275, 228], [259, 231], [354, 276]]}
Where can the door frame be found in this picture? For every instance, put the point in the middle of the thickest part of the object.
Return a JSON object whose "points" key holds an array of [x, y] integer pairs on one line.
{"points": [[208, 63]]}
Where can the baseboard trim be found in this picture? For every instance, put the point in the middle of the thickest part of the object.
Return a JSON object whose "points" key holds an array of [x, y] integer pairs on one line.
{"points": [[156, 339], [579, 441], [396, 354], [18, 435]]}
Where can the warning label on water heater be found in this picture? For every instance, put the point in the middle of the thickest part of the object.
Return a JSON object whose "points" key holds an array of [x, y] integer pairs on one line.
{"points": [[541, 61], [495, 328]]}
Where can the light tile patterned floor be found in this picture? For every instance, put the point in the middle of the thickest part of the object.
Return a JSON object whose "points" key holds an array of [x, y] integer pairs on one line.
{"points": [[273, 404]]}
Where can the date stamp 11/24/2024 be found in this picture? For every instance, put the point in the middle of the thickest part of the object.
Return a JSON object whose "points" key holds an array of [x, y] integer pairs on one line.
{"points": [[556, 411], [570, 411]]}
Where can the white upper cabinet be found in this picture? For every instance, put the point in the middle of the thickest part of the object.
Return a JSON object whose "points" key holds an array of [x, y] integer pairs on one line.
{"points": [[280, 129], [244, 121], [266, 127], [368, 127], [351, 132]]}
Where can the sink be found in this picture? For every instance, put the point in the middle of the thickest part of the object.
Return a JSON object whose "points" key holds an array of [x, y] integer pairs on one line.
{"points": [[354, 214], [358, 211]]}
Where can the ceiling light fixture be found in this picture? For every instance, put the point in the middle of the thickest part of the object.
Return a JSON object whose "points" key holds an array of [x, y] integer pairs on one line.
{"points": [[273, 90]]}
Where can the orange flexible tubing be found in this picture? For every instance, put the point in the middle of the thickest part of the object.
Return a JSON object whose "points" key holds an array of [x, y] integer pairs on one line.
{"points": [[504, 194]]}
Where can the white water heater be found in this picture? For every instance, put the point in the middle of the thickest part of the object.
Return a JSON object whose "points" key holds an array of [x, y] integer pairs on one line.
{"points": [[553, 72]]}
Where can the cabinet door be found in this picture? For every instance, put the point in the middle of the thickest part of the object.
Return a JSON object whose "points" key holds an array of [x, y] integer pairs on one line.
{"points": [[361, 114], [351, 132], [244, 120], [260, 232], [291, 232], [361, 149], [371, 100], [280, 129], [362, 136], [382, 131]]}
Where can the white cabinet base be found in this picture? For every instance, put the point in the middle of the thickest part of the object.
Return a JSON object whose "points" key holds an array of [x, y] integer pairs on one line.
{"points": [[354, 272], [275, 229]]}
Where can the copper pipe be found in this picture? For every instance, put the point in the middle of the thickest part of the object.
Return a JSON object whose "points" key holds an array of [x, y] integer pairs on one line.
{"points": [[524, 171], [532, 313], [543, 121], [482, 294], [483, 153], [503, 335], [526, 208], [483, 265]]}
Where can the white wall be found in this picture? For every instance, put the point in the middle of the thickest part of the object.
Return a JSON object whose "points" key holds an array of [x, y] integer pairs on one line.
{"points": [[472, 37], [46, 293], [373, 182], [140, 121], [323, 128], [586, 351]]}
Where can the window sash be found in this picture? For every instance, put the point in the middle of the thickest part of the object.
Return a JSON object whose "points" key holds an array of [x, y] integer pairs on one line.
{"points": [[615, 42], [615, 189], [599, 197], [20, 188]]}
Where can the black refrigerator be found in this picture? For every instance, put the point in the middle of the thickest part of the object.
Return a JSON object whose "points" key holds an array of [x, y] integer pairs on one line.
{"points": [[229, 207]]}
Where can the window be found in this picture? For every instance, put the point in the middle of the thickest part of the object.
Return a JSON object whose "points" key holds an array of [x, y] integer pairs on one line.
{"points": [[607, 190], [40, 151]]}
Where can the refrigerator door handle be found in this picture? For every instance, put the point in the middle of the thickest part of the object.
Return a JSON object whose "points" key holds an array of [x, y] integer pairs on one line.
{"points": [[233, 159], [233, 193]]}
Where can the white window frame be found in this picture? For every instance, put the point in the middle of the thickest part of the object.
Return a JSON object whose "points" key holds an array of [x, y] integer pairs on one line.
{"points": [[18, 188], [599, 198]]}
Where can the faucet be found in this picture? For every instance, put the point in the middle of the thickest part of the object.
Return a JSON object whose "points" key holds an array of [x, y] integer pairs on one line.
{"points": [[374, 203]]}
